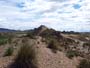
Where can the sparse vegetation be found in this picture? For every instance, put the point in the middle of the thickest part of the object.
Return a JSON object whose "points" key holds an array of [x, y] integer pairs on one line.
{"points": [[20, 51], [25, 57], [71, 53], [84, 64], [30, 35], [9, 51], [9, 40], [53, 45], [87, 44], [3, 40]]}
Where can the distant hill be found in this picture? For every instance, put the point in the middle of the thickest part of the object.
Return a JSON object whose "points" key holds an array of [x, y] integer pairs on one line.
{"points": [[6, 30]]}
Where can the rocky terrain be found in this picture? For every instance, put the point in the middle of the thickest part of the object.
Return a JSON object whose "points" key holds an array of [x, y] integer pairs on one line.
{"points": [[50, 49]]}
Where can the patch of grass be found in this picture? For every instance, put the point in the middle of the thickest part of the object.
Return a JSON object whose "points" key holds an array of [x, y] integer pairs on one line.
{"points": [[9, 51], [25, 57], [71, 53], [84, 64], [3, 40]]}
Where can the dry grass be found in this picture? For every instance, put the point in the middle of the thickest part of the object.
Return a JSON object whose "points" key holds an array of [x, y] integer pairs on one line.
{"points": [[25, 57], [9, 51], [53, 46], [71, 53]]}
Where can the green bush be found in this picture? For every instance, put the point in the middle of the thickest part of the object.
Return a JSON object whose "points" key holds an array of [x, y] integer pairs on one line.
{"points": [[25, 57], [84, 64], [71, 53], [9, 51]]}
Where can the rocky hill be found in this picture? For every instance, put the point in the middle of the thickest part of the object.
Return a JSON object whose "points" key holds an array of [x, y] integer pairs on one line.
{"points": [[44, 47]]}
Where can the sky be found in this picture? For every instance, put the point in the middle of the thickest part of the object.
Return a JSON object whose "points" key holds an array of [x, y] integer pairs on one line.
{"points": [[68, 15]]}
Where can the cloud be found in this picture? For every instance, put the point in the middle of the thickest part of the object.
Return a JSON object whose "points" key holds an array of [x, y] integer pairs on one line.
{"points": [[59, 0], [58, 14]]}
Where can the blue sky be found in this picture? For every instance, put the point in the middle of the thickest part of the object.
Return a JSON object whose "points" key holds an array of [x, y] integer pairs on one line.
{"points": [[69, 15]]}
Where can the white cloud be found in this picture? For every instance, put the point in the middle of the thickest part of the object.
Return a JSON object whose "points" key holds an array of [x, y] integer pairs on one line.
{"points": [[58, 14]]}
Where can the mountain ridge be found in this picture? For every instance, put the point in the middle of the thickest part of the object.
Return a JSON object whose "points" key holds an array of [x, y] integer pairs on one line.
{"points": [[6, 30]]}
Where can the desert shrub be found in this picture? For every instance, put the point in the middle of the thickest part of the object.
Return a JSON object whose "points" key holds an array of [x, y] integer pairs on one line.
{"points": [[30, 35], [3, 40], [9, 51], [25, 58], [48, 39], [9, 40], [71, 53], [53, 46], [69, 40], [84, 64], [87, 44]]}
